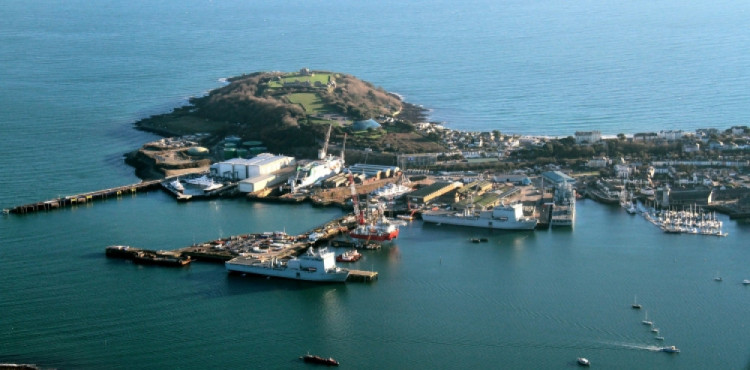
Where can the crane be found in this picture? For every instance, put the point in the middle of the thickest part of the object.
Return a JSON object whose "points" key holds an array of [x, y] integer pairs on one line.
{"points": [[355, 201], [322, 154]]}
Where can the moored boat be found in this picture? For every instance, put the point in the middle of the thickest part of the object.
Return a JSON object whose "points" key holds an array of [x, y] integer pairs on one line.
{"points": [[349, 256], [635, 305], [381, 230], [507, 217], [313, 265]]}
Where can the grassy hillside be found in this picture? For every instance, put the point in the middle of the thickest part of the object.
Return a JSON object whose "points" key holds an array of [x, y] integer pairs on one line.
{"points": [[288, 112]]}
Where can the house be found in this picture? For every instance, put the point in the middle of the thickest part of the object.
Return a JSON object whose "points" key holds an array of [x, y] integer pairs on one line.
{"points": [[691, 148], [598, 162]]}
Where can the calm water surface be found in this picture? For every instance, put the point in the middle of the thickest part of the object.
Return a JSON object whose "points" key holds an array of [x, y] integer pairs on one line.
{"points": [[74, 77]]}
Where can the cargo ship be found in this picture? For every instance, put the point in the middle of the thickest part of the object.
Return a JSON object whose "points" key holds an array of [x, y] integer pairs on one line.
{"points": [[313, 265], [503, 217]]}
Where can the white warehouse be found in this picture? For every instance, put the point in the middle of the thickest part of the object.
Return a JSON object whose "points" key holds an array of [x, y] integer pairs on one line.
{"points": [[240, 169], [259, 182]]}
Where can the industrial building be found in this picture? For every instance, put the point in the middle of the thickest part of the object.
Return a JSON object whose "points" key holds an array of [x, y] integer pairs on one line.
{"points": [[261, 182], [374, 171], [429, 193], [240, 169]]}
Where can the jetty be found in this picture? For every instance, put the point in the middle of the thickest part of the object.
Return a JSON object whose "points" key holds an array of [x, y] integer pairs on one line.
{"points": [[83, 198], [362, 276]]}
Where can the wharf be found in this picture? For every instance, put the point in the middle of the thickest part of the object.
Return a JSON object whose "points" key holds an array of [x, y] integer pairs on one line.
{"points": [[362, 276], [267, 245], [84, 198]]}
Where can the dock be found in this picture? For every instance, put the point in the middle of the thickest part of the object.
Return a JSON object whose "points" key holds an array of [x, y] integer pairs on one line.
{"points": [[83, 198], [362, 276]]}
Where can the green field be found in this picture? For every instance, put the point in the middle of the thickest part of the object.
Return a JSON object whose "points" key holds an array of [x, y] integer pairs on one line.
{"points": [[310, 102], [320, 77]]}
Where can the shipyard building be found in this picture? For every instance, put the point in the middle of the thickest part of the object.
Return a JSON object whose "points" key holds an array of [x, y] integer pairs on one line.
{"points": [[255, 173], [240, 169]]}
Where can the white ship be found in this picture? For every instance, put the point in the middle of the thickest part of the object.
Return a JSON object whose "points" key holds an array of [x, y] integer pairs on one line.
{"points": [[204, 183], [391, 191], [564, 210], [507, 217], [313, 265], [318, 170], [314, 172], [176, 185]]}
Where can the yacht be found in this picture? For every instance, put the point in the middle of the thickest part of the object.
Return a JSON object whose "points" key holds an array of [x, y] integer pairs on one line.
{"points": [[635, 305], [646, 321]]}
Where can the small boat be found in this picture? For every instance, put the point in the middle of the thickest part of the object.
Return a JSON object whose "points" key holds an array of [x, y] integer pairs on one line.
{"points": [[655, 330], [474, 240], [349, 256], [746, 282], [645, 320], [176, 185], [406, 217], [583, 361], [313, 359], [717, 277], [659, 338], [635, 304], [670, 349]]}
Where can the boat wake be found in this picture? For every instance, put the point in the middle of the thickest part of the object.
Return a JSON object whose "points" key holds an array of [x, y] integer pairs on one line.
{"points": [[635, 346]]}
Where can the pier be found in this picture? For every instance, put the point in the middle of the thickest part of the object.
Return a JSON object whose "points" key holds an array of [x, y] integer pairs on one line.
{"points": [[362, 276], [83, 198]]}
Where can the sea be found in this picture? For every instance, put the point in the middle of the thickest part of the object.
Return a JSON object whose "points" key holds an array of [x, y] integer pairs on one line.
{"points": [[75, 75]]}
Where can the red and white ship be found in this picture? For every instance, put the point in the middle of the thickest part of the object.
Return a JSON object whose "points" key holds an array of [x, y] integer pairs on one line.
{"points": [[372, 226], [379, 231]]}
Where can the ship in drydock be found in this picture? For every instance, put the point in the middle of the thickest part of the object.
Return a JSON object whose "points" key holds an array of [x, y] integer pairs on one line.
{"points": [[372, 225], [505, 217], [564, 209], [314, 265], [318, 170]]}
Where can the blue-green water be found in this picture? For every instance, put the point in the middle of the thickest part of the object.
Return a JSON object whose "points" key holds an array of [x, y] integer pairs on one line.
{"points": [[74, 76]]}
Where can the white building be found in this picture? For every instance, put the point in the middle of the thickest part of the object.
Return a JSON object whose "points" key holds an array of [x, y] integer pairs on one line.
{"points": [[671, 135], [691, 148], [588, 137], [623, 170], [240, 169], [261, 182], [599, 162]]}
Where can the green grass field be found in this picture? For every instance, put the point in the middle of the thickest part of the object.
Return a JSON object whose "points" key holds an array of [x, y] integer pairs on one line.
{"points": [[320, 77], [309, 101]]}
